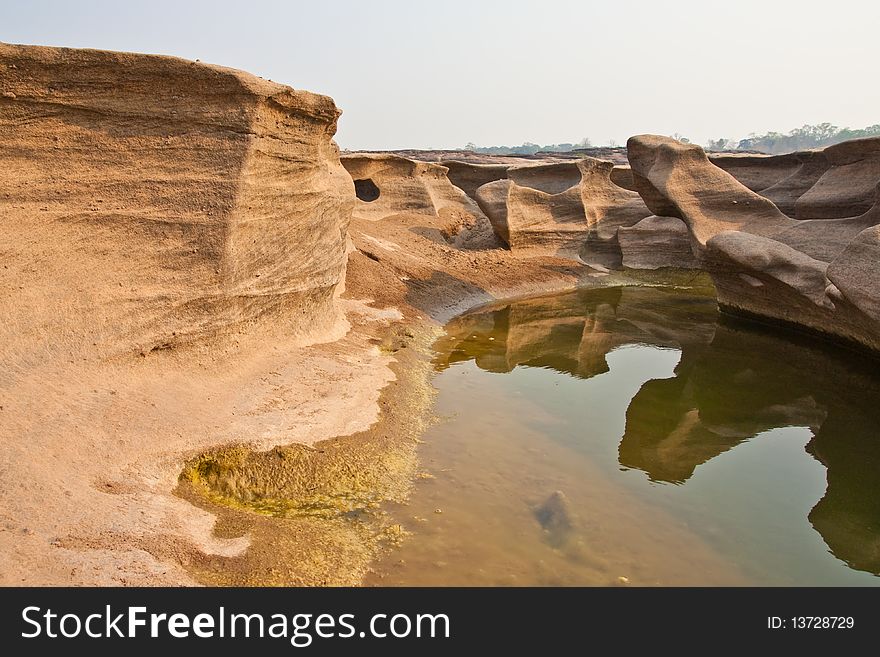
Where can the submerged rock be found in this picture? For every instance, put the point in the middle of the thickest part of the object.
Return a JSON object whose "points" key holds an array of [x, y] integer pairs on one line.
{"points": [[556, 518]]}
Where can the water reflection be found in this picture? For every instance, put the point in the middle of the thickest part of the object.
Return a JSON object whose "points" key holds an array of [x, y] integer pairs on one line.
{"points": [[732, 382]]}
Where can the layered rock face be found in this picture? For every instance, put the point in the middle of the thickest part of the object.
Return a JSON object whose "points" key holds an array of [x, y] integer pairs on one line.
{"points": [[818, 274], [149, 200], [570, 209]]}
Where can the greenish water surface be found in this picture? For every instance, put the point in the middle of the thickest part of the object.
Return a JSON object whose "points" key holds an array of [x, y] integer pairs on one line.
{"points": [[630, 436]]}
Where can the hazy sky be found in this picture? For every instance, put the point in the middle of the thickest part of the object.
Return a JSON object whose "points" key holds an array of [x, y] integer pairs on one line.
{"points": [[439, 74]]}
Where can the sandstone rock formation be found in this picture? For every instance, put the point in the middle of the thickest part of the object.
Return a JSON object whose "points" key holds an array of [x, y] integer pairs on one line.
{"points": [[571, 209], [393, 187], [757, 172], [468, 176], [763, 263], [172, 235], [656, 242], [846, 188], [388, 185], [787, 191], [621, 175], [544, 210], [148, 201], [677, 180], [832, 183], [492, 199]]}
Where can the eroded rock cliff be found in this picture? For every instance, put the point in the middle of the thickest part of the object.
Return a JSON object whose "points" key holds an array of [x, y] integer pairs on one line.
{"points": [[171, 234], [148, 201]]}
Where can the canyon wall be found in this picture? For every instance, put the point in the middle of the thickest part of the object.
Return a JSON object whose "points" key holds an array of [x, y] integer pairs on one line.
{"points": [[149, 201]]}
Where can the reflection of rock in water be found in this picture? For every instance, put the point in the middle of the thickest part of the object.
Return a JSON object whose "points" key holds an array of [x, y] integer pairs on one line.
{"points": [[747, 381], [573, 333], [848, 444], [557, 519], [733, 382]]}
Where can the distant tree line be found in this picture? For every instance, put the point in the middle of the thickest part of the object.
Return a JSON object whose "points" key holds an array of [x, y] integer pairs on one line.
{"points": [[774, 143], [527, 148], [799, 139]]}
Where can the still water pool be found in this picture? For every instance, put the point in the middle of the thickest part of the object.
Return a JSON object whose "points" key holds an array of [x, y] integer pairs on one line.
{"points": [[631, 436]]}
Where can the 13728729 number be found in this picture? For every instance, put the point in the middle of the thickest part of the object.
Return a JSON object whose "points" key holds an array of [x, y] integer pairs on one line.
{"points": [[811, 623]]}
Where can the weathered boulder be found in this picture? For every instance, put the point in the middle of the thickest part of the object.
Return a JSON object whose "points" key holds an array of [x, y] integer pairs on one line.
{"points": [[796, 277], [469, 176], [607, 207], [148, 201], [678, 180], [763, 263], [545, 213], [556, 518], [846, 188], [656, 242], [492, 199]]}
